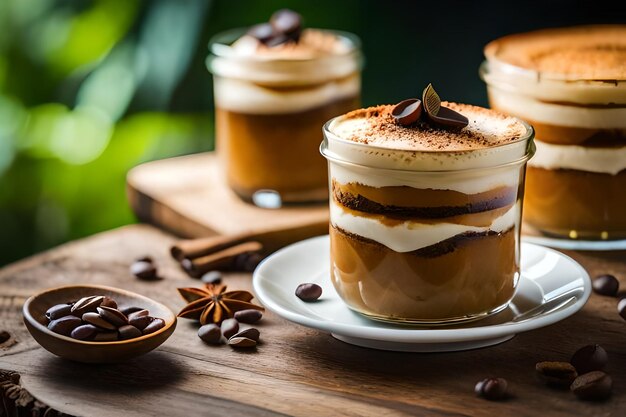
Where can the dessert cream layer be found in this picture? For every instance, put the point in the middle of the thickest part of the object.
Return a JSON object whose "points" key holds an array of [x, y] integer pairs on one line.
{"points": [[581, 158]]}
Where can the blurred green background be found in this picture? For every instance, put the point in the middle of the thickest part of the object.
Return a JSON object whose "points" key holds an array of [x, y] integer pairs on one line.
{"points": [[89, 89]]}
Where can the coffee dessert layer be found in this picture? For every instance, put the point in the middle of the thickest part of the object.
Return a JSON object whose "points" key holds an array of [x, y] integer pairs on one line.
{"points": [[582, 158], [583, 52]]}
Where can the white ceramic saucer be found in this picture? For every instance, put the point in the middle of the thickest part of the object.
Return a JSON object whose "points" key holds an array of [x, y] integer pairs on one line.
{"points": [[552, 287], [593, 245]]}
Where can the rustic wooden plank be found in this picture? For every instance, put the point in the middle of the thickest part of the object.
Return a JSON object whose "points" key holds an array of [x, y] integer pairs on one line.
{"points": [[188, 196], [296, 371]]}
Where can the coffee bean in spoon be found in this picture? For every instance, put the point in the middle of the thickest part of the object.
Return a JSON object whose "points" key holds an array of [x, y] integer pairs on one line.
{"points": [[108, 302], [105, 337], [96, 320], [112, 315], [58, 311], [156, 325], [144, 270], [492, 389], [589, 358], [65, 325], [128, 332], [248, 316], [606, 284], [308, 292], [141, 322], [84, 332], [229, 327], [210, 333], [556, 374], [129, 310], [621, 308], [86, 305], [138, 313], [592, 386]]}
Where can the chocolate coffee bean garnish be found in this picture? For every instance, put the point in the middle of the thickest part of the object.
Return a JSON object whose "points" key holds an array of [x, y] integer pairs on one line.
{"points": [[621, 308], [241, 342], [101, 320], [492, 389], [143, 270], [212, 277], [250, 333], [263, 32], [308, 292], [210, 333], [230, 327], [592, 386], [556, 374], [589, 358], [408, 111], [440, 115], [287, 22], [248, 316], [606, 285]]}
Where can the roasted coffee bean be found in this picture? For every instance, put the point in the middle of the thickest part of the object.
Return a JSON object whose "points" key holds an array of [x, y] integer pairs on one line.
{"points": [[58, 311], [248, 316], [129, 310], [308, 292], [4, 336], [210, 333], [105, 337], [621, 308], [229, 327], [108, 302], [143, 270], [250, 333], [138, 313], [606, 285], [96, 320], [589, 358], [286, 21], [263, 32], [492, 389], [113, 316], [84, 332], [128, 332], [556, 374], [408, 111], [141, 322], [592, 386], [65, 325], [156, 324], [87, 305], [212, 277], [252, 261], [241, 342]]}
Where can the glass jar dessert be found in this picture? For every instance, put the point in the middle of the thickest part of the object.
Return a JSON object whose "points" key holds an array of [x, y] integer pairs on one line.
{"points": [[570, 85], [273, 91], [425, 220]]}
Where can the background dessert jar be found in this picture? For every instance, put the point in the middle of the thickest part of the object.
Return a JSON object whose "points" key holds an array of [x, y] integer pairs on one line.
{"points": [[570, 84], [274, 89], [424, 220]]}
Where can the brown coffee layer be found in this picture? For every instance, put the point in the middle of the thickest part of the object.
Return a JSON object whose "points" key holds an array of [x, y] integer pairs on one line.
{"points": [[404, 202], [466, 275], [580, 204], [276, 151], [591, 137]]}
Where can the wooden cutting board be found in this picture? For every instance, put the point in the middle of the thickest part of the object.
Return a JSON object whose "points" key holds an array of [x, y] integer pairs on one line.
{"points": [[189, 197]]}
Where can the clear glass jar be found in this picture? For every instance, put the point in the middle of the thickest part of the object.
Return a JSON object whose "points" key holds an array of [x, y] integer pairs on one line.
{"points": [[575, 183], [269, 112], [453, 256]]}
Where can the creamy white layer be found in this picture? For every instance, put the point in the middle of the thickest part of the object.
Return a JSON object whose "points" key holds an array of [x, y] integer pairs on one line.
{"points": [[409, 235], [581, 158], [247, 97], [528, 107]]}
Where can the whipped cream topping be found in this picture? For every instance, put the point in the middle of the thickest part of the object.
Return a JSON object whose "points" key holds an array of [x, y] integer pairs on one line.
{"points": [[581, 158], [409, 235]]}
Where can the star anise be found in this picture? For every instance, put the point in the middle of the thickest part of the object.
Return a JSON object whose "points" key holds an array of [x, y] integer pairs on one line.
{"points": [[213, 304]]}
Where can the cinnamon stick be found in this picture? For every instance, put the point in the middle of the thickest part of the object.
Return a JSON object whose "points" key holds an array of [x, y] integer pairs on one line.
{"points": [[195, 248], [223, 259]]}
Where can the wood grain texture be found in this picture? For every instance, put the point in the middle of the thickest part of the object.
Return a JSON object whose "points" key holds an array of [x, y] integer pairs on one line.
{"points": [[188, 196], [295, 371]]}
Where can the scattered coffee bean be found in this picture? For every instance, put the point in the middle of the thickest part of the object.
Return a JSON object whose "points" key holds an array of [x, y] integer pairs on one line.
{"points": [[112, 315], [4, 336], [229, 327], [143, 270], [252, 261], [250, 333], [592, 386], [84, 332], [141, 322], [108, 302], [96, 320], [58, 311], [129, 310], [210, 333], [492, 389], [556, 374], [128, 332], [621, 308], [155, 325], [241, 342], [606, 285], [308, 292], [248, 316], [65, 325], [589, 358], [87, 305], [212, 277], [105, 337], [138, 313]]}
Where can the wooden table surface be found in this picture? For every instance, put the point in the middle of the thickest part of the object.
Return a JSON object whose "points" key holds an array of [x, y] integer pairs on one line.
{"points": [[295, 371]]}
